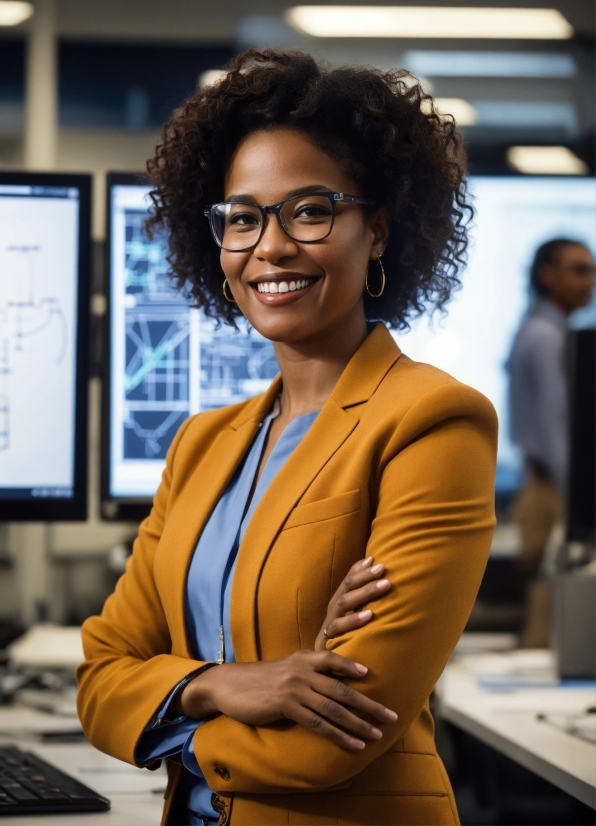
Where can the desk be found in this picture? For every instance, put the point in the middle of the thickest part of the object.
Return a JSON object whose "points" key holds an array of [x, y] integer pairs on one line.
{"points": [[506, 721], [136, 794]]}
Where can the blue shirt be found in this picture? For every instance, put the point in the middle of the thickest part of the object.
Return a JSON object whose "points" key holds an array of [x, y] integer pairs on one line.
{"points": [[208, 592], [538, 391]]}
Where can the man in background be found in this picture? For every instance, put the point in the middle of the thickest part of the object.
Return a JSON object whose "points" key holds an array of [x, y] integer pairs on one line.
{"points": [[562, 280]]}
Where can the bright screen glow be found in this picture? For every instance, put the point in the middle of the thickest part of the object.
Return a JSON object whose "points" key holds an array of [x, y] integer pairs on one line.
{"points": [[514, 216], [169, 362], [39, 232]]}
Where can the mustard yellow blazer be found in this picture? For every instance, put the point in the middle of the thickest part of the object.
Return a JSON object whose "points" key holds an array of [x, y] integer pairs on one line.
{"points": [[399, 464]]}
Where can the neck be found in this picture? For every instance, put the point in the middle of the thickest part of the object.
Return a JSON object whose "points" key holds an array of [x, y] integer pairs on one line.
{"points": [[310, 369], [560, 306]]}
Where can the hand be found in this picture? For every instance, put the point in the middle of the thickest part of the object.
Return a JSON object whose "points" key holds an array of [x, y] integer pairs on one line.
{"points": [[305, 687], [361, 585]]}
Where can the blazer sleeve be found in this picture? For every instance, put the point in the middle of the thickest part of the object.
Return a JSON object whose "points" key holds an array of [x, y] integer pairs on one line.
{"points": [[432, 530], [129, 670]]}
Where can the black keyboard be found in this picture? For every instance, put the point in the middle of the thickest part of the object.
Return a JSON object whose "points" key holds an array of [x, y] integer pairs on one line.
{"points": [[29, 785]]}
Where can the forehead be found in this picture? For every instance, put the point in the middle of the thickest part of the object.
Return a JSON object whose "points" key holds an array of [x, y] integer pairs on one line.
{"points": [[269, 164], [568, 253]]}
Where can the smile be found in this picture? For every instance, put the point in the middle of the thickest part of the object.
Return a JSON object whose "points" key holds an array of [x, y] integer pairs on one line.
{"points": [[273, 287]]}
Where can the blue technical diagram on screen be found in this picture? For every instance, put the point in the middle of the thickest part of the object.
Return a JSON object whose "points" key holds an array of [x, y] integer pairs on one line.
{"points": [[157, 355], [168, 360]]}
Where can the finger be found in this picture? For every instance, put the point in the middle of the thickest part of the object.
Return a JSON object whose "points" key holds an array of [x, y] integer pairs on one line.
{"points": [[342, 625], [348, 697], [338, 715], [357, 578], [314, 722], [322, 661], [352, 582], [353, 599]]}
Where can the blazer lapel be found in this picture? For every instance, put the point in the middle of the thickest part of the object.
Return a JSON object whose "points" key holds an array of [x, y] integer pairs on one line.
{"points": [[193, 507], [331, 428], [329, 431]]}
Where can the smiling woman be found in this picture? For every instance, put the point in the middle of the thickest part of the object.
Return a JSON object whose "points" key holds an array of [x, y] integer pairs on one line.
{"points": [[381, 131], [323, 543]]}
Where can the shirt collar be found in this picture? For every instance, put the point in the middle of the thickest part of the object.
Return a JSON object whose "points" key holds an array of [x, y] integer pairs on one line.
{"points": [[547, 309]]}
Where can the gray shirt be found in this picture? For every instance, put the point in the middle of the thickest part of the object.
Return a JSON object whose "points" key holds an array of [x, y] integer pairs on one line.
{"points": [[538, 389]]}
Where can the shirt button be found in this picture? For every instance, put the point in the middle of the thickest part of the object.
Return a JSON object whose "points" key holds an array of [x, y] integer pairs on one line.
{"points": [[222, 772]]}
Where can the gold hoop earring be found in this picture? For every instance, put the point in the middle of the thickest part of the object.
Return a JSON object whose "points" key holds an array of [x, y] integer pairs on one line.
{"points": [[227, 298], [383, 280]]}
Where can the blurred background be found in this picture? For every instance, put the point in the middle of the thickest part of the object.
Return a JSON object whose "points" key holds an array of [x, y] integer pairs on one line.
{"points": [[85, 87]]}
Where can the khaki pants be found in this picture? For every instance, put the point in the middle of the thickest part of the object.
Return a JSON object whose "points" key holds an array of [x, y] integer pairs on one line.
{"points": [[537, 509]]}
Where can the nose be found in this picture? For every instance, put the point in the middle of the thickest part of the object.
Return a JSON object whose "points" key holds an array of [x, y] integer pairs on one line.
{"points": [[274, 243]]}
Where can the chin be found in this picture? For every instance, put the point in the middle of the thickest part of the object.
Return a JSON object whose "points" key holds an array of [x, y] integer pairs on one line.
{"points": [[283, 329]]}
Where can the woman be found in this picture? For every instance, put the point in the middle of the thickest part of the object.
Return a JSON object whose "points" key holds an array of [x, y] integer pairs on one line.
{"points": [[334, 199]]}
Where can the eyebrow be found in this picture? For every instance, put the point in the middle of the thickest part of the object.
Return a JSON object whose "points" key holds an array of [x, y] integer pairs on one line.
{"points": [[303, 190]]}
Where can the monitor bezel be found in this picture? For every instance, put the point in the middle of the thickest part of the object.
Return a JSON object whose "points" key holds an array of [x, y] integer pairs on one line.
{"points": [[74, 508], [114, 508]]}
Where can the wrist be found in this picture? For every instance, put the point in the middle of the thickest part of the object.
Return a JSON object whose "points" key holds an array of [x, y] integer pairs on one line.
{"points": [[197, 700]]}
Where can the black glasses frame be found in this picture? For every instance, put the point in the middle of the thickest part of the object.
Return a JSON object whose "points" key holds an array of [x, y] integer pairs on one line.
{"points": [[275, 209]]}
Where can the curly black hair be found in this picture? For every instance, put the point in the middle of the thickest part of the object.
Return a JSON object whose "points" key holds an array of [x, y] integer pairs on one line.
{"points": [[384, 130]]}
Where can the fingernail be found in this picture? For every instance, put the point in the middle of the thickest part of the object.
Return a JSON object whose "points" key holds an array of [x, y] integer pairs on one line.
{"points": [[377, 569], [357, 744], [383, 583], [364, 614], [391, 715], [366, 562], [376, 733], [361, 669]]}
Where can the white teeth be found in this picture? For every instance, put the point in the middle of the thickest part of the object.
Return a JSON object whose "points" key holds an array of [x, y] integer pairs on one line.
{"points": [[283, 286]]}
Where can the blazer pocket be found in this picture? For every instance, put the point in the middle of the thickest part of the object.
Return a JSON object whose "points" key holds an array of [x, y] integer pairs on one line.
{"points": [[323, 509]]}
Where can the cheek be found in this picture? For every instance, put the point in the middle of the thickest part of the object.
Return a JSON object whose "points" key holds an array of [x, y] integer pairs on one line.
{"points": [[233, 264], [346, 259]]}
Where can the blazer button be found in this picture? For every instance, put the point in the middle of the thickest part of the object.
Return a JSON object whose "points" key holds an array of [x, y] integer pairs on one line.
{"points": [[222, 772]]}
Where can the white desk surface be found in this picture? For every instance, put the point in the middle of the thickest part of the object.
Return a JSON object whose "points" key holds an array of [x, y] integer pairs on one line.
{"points": [[507, 722], [136, 794]]}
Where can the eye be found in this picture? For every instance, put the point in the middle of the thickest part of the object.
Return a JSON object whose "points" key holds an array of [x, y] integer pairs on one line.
{"points": [[311, 211], [246, 220]]}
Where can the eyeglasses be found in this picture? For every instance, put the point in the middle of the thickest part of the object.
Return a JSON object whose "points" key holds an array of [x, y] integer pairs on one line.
{"points": [[237, 226]]}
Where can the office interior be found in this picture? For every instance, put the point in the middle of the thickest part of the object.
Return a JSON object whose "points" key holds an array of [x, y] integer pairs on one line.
{"points": [[85, 88]]}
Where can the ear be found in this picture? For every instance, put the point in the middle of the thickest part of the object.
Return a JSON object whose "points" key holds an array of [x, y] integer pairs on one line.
{"points": [[379, 226], [547, 276]]}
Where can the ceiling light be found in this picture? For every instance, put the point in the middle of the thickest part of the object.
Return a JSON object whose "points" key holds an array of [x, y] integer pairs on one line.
{"points": [[12, 13], [210, 77], [489, 64], [463, 112], [545, 160], [429, 21]]}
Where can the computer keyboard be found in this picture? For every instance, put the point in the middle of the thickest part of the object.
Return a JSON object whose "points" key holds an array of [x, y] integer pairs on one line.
{"points": [[29, 785]]}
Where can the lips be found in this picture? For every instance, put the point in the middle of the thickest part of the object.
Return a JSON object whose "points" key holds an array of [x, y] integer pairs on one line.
{"points": [[278, 291]]}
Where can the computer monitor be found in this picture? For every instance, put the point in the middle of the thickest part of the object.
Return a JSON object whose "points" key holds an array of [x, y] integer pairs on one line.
{"points": [[581, 486], [167, 361], [44, 327]]}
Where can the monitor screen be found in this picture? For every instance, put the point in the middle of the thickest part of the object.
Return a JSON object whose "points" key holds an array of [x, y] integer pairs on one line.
{"points": [[167, 361], [514, 216], [44, 271]]}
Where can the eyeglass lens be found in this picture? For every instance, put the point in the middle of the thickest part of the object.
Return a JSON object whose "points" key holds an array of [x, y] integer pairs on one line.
{"points": [[305, 218]]}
